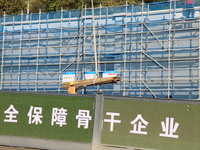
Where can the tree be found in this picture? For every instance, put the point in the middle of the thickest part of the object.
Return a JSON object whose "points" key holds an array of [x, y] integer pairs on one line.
{"points": [[12, 6], [16, 6], [69, 4], [119, 2], [53, 5], [36, 5]]}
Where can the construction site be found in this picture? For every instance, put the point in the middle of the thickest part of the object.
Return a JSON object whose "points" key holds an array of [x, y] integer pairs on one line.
{"points": [[153, 47]]}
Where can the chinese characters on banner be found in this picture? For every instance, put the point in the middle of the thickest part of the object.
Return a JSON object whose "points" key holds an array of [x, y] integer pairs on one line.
{"points": [[83, 118], [35, 115], [112, 121], [169, 127], [11, 114], [59, 116]]}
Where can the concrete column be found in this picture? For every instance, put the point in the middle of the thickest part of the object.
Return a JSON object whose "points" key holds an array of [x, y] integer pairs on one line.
{"points": [[98, 116]]}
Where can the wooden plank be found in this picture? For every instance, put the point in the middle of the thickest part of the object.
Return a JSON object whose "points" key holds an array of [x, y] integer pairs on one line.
{"points": [[89, 82]]}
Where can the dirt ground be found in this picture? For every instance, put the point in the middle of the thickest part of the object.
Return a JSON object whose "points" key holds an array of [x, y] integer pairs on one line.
{"points": [[15, 148]]}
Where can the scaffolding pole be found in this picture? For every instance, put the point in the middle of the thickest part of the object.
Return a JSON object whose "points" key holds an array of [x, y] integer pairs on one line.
{"points": [[141, 49], [37, 53], [3, 52], [199, 61], [60, 53], [94, 40], [125, 51], [20, 54], [169, 61]]}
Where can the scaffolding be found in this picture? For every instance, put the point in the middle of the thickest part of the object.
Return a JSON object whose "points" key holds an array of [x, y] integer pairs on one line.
{"points": [[153, 47]]}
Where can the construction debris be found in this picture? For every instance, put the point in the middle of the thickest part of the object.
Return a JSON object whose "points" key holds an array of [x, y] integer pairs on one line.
{"points": [[89, 82]]}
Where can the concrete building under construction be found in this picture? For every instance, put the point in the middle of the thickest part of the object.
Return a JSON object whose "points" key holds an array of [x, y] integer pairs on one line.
{"points": [[154, 48]]}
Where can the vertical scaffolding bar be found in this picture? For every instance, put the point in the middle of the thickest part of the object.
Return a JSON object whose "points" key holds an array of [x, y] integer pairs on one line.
{"points": [[169, 53], [29, 49], [79, 44], [37, 53], [169, 60], [99, 32], [20, 54], [125, 52], [3, 51], [199, 61], [83, 44], [84, 37], [141, 49], [7, 50], [60, 55], [94, 40], [106, 36]]}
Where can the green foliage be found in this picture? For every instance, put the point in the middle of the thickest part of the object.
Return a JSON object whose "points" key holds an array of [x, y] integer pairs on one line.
{"points": [[12, 6], [36, 5], [118, 2]]}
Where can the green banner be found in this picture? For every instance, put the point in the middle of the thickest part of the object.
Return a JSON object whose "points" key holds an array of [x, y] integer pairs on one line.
{"points": [[47, 116], [151, 124]]}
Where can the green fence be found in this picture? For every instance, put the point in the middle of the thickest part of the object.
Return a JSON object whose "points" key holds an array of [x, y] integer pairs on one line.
{"points": [[160, 125], [123, 122], [47, 116]]}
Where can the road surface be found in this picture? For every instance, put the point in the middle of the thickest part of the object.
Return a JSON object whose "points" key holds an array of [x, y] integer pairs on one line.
{"points": [[15, 148]]}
